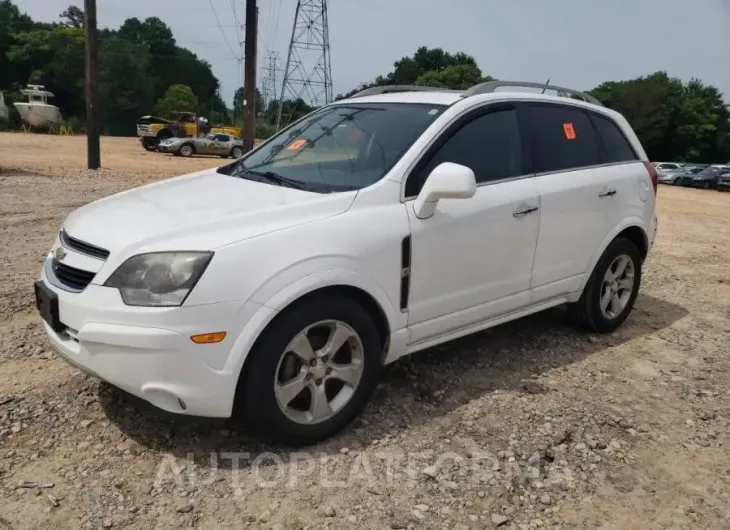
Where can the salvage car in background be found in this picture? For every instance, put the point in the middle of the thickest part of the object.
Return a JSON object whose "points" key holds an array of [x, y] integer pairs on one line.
{"points": [[707, 178], [662, 168], [723, 182], [673, 177], [223, 145]]}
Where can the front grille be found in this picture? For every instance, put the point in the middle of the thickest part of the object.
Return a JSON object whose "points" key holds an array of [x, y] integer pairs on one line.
{"points": [[71, 276], [84, 248]]}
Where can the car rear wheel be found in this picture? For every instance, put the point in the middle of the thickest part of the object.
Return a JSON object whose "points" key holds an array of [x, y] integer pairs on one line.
{"points": [[311, 372], [186, 150], [611, 290]]}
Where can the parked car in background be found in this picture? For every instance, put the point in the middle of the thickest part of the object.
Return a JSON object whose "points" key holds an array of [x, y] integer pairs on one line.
{"points": [[723, 182], [223, 145], [667, 167], [707, 178], [673, 177]]}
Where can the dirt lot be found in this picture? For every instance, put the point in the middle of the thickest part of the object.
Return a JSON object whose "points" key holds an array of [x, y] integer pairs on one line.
{"points": [[530, 425]]}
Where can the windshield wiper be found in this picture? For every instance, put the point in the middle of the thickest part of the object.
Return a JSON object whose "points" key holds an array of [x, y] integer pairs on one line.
{"points": [[278, 179]]}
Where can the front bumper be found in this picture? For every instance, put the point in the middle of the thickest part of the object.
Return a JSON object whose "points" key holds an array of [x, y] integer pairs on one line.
{"points": [[148, 352], [168, 148]]}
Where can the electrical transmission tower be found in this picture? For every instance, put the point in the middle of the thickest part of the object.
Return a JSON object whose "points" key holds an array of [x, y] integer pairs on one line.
{"points": [[308, 74], [268, 84]]}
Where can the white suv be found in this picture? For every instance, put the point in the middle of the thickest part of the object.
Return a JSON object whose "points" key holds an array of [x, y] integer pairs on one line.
{"points": [[274, 288]]}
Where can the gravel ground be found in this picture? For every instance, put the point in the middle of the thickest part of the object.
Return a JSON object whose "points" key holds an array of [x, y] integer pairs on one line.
{"points": [[528, 425]]}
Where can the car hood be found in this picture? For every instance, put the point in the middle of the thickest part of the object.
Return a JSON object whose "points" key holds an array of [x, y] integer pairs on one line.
{"points": [[200, 211]]}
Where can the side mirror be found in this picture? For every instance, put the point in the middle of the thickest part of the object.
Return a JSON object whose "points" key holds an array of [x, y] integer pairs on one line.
{"points": [[446, 181]]}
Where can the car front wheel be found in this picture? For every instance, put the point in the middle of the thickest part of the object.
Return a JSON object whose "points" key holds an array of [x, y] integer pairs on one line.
{"points": [[311, 372], [236, 152], [611, 291], [186, 150]]}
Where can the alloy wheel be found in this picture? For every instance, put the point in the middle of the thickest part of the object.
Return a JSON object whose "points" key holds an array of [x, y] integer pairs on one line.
{"points": [[319, 372], [617, 287]]}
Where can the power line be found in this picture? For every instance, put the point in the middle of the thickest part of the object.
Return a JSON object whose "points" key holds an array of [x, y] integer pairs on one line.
{"points": [[215, 14], [235, 18]]}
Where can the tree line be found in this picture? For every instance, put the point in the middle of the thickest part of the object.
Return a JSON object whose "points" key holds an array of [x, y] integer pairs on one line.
{"points": [[675, 120], [143, 70], [138, 62]]}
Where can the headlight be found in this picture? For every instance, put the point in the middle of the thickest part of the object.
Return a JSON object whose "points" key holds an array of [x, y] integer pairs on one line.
{"points": [[159, 279]]}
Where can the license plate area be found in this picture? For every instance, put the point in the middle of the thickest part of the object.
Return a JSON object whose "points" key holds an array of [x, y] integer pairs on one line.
{"points": [[47, 303]]}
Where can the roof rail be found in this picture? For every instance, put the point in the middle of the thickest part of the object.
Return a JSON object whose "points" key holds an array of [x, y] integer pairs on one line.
{"points": [[491, 86], [384, 89]]}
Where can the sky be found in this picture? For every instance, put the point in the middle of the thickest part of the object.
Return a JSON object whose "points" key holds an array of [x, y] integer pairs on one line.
{"points": [[575, 43]]}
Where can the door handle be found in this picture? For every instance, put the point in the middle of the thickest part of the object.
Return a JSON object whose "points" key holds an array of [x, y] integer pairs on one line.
{"points": [[607, 193], [526, 210]]}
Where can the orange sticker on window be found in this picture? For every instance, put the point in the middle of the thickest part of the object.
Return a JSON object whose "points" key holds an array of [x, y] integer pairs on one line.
{"points": [[569, 131], [296, 145]]}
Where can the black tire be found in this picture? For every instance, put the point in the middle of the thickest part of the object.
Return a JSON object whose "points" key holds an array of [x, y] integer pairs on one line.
{"points": [[236, 152], [707, 185], [256, 405], [150, 144], [675, 182], [187, 149], [586, 312]]}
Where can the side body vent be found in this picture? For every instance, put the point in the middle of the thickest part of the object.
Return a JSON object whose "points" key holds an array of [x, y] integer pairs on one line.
{"points": [[405, 272]]}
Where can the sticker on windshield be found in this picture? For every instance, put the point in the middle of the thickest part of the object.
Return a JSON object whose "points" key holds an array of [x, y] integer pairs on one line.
{"points": [[296, 145], [569, 131], [433, 111]]}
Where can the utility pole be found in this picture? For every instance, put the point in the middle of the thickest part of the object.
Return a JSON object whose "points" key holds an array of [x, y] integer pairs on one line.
{"points": [[93, 127], [249, 88], [243, 80]]}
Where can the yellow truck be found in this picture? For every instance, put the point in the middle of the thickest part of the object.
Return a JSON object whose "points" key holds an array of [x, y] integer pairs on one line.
{"points": [[152, 129]]}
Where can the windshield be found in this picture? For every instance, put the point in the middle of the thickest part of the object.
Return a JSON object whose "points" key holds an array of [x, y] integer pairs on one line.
{"points": [[210, 136], [338, 148]]}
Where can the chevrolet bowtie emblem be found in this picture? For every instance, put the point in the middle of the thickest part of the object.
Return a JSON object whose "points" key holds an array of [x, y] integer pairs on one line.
{"points": [[60, 254]]}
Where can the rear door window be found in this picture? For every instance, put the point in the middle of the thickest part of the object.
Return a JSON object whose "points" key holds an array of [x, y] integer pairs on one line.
{"points": [[563, 138]]}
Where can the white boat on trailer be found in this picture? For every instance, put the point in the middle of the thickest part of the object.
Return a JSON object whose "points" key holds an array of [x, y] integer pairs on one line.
{"points": [[37, 112], [3, 108]]}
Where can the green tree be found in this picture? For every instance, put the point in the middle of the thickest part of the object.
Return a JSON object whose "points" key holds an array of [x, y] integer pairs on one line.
{"points": [[12, 23], [74, 17], [125, 89], [408, 70], [53, 57], [177, 97], [673, 120], [456, 77]]}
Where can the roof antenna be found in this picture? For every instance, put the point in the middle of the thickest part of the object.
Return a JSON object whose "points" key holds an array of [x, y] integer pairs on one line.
{"points": [[546, 85]]}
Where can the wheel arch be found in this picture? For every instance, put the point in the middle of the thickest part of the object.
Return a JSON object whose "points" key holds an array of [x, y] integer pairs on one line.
{"points": [[632, 229], [369, 301], [345, 282]]}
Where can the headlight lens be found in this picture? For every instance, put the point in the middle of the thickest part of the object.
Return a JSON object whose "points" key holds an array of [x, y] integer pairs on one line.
{"points": [[159, 279]]}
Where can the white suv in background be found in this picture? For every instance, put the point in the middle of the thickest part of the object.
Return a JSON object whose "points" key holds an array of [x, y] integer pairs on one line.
{"points": [[274, 288]]}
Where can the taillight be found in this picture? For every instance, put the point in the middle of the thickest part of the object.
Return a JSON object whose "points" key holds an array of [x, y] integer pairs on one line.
{"points": [[652, 174]]}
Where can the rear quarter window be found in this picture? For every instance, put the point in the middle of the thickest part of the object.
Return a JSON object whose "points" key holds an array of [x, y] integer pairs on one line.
{"points": [[615, 144]]}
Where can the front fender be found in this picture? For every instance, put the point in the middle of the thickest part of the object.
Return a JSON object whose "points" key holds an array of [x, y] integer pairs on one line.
{"points": [[267, 303]]}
